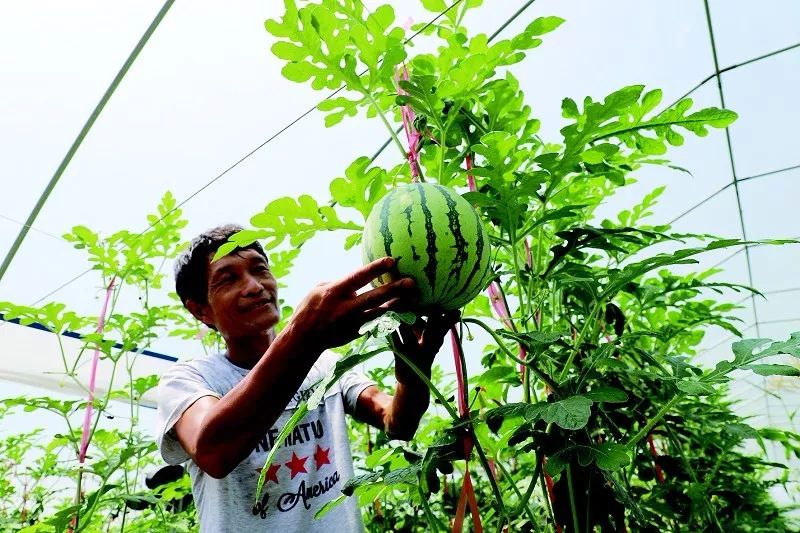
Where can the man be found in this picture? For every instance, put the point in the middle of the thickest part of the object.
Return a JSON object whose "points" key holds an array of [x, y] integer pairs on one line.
{"points": [[223, 413]]}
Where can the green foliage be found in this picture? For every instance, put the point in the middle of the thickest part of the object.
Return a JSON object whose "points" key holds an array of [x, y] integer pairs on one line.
{"points": [[610, 409], [39, 492], [604, 327]]}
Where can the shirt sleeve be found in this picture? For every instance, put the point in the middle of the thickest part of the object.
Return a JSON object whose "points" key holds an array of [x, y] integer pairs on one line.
{"points": [[178, 389], [352, 384]]}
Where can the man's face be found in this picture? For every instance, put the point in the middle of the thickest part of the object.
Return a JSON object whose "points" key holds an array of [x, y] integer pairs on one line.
{"points": [[242, 295]]}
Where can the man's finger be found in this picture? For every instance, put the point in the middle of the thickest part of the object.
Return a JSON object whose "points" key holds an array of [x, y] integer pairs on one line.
{"points": [[364, 275], [398, 292]]}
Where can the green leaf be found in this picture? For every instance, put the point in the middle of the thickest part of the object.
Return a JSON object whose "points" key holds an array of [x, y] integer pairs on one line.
{"points": [[509, 410], [650, 100], [382, 326], [571, 413], [611, 456], [606, 394], [593, 157], [543, 25], [330, 506], [361, 187], [557, 462], [437, 6], [774, 370], [359, 481], [294, 219], [381, 456], [695, 388], [744, 431], [748, 351]]}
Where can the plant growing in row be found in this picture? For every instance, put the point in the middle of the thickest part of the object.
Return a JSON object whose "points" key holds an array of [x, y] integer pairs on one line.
{"points": [[588, 410], [87, 475]]}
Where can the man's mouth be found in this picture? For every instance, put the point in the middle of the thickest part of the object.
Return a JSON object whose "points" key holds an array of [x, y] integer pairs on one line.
{"points": [[259, 304]]}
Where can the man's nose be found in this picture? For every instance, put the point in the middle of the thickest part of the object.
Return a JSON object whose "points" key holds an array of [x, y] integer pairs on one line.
{"points": [[252, 285]]}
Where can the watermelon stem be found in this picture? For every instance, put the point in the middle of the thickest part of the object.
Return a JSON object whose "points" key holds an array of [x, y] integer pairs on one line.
{"points": [[577, 347], [572, 505], [378, 109], [517, 277], [425, 379], [529, 363], [523, 500]]}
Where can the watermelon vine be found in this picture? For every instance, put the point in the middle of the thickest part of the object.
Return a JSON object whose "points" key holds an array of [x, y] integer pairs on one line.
{"points": [[610, 424]]}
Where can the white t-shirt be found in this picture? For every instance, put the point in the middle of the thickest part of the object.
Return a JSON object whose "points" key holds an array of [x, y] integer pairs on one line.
{"points": [[308, 470]]}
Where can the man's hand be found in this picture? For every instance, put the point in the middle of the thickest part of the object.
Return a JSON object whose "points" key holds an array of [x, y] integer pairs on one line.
{"points": [[332, 313], [399, 415], [421, 342]]}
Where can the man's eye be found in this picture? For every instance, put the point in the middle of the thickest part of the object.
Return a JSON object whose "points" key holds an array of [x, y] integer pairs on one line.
{"points": [[262, 269]]}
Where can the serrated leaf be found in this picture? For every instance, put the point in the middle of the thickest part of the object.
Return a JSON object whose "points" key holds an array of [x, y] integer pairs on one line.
{"points": [[557, 462], [571, 413], [359, 481], [611, 456], [695, 388], [774, 370], [379, 457], [330, 506], [593, 157], [543, 25], [606, 394]]}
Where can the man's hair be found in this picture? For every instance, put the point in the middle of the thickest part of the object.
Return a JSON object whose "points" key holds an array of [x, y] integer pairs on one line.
{"points": [[191, 267]]}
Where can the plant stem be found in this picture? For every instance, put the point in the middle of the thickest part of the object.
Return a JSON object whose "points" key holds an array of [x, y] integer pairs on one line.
{"points": [[523, 500], [573, 507], [526, 385], [655, 420], [547, 503], [492, 481], [476, 443], [432, 520], [553, 385], [518, 281], [78, 497], [378, 109], [435, 391], [579, 341]]}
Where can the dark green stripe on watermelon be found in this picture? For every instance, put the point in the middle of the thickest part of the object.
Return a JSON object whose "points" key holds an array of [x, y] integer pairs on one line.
{"points": [[407, 212], [430, 249], [385, 233], [460, 246], [479, 244]]}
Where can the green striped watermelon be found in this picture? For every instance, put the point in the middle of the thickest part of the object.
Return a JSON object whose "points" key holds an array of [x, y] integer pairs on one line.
{"points": [[437, 239]]}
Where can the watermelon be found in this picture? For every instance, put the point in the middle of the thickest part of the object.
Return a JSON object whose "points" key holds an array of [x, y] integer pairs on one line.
{"points": [[437, 239]]}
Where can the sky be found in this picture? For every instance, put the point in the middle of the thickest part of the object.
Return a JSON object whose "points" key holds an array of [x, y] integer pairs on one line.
{"points": [[205, 91]]}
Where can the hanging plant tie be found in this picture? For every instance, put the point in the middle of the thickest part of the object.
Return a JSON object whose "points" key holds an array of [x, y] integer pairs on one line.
{"points": [[87, 419], [412, 135]]}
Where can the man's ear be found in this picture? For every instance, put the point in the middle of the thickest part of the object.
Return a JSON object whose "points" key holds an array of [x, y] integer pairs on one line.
{"points": [[200, 311]]}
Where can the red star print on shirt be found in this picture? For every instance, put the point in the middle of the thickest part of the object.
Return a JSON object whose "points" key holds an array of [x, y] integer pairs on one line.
{"points": [[321, 456], [297, 465], [272, 473]]}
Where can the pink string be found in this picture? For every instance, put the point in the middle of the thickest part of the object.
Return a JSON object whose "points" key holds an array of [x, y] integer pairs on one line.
{"points": [[412, 135], [101, 321], [467, 490], [470, 178], [462, 406]]}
